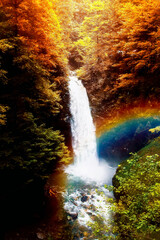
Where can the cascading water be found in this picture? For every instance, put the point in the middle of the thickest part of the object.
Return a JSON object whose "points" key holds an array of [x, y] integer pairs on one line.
{"points": [[86, 163], [83, 130]]}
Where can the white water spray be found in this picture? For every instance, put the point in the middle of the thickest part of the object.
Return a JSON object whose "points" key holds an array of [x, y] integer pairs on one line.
{"points": [[86, 163]]}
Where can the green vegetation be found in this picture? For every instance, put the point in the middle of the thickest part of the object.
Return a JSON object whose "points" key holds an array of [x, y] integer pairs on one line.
{"points": [[32, 71], [136, 209], [32, 150], [137, 189]]}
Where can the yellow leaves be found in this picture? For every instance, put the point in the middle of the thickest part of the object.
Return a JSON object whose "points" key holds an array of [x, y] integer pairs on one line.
{"points": [[136, 17], [97, 5], [3, 110], [84, 42], [5, 45], [125, 10], [155, 130], [79, 72]]}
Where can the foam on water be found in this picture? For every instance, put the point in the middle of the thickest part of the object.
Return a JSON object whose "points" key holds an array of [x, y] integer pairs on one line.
{"points": [[100, 174], [95, 205]]}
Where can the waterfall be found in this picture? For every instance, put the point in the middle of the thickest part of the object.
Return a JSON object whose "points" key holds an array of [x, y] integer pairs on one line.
{"points": [[82, 127], [86, 163]]}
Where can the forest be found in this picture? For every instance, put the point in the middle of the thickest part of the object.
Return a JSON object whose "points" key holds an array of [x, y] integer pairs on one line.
{"points": [[113, 46]]}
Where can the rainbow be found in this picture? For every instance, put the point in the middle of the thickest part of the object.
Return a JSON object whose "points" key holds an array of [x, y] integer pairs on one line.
{"points": [[126, 130], [124, 114]]}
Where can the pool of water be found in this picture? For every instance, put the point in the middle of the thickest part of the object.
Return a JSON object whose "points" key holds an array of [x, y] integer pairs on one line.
{"points": [[116, 144]]}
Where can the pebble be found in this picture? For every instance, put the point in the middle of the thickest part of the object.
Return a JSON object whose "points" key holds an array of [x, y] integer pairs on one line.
{"points": [[84, 198]]}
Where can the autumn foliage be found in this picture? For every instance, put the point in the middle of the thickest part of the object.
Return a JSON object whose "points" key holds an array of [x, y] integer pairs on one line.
{"points": [[37, 26], [119, 48]]}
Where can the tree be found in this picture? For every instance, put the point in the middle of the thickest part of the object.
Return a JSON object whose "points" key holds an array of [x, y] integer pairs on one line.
{"points": [[138, 40], [118, 49]]}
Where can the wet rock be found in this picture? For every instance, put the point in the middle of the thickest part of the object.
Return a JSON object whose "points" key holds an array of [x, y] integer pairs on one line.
{"points": [[73, 215], [89, 213], [84, 198]]}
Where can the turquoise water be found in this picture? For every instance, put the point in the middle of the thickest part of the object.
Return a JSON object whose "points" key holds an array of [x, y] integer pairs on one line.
{"points": [[130, 136]]}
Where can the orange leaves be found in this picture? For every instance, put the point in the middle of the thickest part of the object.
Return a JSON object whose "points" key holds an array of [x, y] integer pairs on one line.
{"points": [[52, 193], [141, 64], [119, 42], [139, 36], [125, 80], [126, 76], [38, 27]]}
